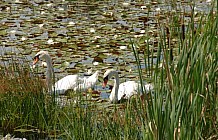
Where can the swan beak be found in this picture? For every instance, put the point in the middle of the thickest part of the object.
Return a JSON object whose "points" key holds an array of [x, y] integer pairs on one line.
{"points": [[104, 83], [35, 60]]}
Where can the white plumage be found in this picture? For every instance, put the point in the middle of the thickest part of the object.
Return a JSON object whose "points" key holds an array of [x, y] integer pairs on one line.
{"points": [[73, 82], [124, 90]]}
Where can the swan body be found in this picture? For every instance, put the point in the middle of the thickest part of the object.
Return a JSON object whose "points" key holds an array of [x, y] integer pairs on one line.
{"points": [[68, 82], [124, 90], [127, 89], [87, 83]]}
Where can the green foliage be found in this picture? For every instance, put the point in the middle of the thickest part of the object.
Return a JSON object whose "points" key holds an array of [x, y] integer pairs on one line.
{"points": [[183, 104], [22, 99]]}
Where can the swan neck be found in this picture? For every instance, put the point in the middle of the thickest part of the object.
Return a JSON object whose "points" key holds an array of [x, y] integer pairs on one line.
{"points": [[49, 72], [114, 92]]}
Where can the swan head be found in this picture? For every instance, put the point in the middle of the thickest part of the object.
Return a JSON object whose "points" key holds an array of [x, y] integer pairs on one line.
{"points": [[38, 56], [107, 75]]}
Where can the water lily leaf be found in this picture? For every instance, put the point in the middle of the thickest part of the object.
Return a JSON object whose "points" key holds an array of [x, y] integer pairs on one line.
{"points": [[65, 64], [98, 59], [53, 34], [72, 71], [73, 46], [37, 21], [3, 32], [61, 39]]}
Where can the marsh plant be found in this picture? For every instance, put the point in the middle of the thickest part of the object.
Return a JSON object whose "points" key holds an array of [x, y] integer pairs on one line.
{"points": [[185, 101], [183, 105]]}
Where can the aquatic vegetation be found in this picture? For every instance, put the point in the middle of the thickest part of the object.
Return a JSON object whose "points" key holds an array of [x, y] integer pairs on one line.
{"points": [[173, 48]]}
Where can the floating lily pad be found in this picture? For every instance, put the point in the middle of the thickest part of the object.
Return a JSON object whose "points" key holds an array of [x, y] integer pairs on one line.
{"points": [[3, 32]]}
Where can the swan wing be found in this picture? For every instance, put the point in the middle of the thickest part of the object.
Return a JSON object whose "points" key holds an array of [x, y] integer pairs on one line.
{"points": [[92, 80], [127, 89], [81, 84], [87, 82], [67, 82]]}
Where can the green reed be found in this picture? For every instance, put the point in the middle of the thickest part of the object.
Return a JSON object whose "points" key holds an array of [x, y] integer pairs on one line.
{"points": [[23, 103], [184, 103]]}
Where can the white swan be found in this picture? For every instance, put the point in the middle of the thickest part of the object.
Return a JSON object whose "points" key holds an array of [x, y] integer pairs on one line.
{"points": [[86, 83], [123, 90], [73, 82]]}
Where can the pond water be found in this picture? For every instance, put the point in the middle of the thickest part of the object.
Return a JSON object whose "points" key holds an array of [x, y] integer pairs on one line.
{"points": [[80, 35]]}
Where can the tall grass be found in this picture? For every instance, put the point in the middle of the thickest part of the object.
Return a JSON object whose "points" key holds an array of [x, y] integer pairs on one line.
{"points": [[22, 100], [184, 104]]}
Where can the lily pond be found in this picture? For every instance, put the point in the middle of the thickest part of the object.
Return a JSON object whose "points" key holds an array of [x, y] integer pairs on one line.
{"points": [[84, 35], [88, 35], [80, 35]]}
